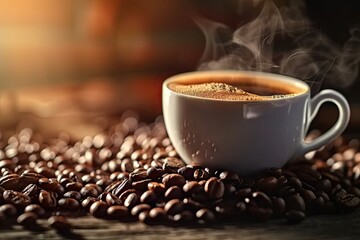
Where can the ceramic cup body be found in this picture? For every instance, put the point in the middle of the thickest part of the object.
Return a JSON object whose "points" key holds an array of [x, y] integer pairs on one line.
{"points": [[245, 136]]}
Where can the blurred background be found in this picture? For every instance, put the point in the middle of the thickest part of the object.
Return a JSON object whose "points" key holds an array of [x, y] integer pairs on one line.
{"points": [[65, 65]]}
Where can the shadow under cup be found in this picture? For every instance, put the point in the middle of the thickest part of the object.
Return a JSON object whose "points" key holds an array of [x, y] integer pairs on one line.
{"points": [[244, 135]]}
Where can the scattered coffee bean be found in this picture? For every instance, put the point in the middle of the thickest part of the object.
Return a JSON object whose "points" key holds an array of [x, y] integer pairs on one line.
{"points": [[68, 204], [35, 208], [59, 223], [117, 212], [27, 219], [214, 188], [295, 216], [205, 215], [173, 179], [98, 209], [135, 211]]}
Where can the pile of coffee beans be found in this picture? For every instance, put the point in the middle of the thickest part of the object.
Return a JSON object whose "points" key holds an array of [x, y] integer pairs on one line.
{"points": [[131, 172]]}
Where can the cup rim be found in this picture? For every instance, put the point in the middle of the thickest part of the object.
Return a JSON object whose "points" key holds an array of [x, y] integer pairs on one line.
{"points": [[274, 77]]}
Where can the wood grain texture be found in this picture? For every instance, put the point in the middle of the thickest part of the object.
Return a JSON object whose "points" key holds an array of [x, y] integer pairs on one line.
{"points": [[314, 227]]}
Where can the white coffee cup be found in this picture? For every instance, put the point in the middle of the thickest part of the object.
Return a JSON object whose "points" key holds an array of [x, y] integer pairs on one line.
{"points": [[246, 136]]}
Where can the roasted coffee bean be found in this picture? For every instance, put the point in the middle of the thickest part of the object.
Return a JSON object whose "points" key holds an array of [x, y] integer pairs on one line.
{"points": [[158, 188], [35, 208], [122, 187], [11, 182], [295, 202], [191, 204], [74, 186], [192, 187], [228, 176], [173, 192], [295, 183], [158, 214], [267, 185], [345, 201], [259, 213], [46, 172], [31, 191], [59, 223], [286, 191], [27, 219], [307, 195], [47, 199], [240, 207], [155, 173], [125, 194], [135, 211], [173, 179], [73, 194], [49, 184], [131, 200], [86, 204], [172, 164], [185, 217], [68, 204], [117, 212], [174, 206], [201, 174], [324, 185], [18, 199], [214, 188], [148, 197], [141, 185], [138, 175], [111, 199], [309, 175], [205, 215], [144, 217], [243, 193], [9, 210], [278, 206], [28, 178], [88, 191], [295, 216], [261, 199], [187, 172], [98, 209], [226, 209]]}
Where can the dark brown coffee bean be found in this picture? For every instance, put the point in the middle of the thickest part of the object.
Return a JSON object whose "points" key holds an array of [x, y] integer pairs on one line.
{"points": [[262, 199], [59, 223], [111, 200], [49, 184], [29, 178], [117, 212], [68, 203], [74, 186], [295, 183], [332, 177], [228, 176], [267, 185], [122, 187], [279, 206], [309, 175], [98, 209], [27, 219], [345, 201], [295, 202], [125, 194], [172, 164], [18, 199], [11, 182], [308, 195], [35, 208], [286, 191], [86, 204], [154, 173], [173, 192], [214, 188], [185, 217], [131, 200], [158, 214], [259, 213], [148, 197], [141, 185], [47, 199], [9, 210], [191, 204], [294, 216], [205, 215], [144, 217], [73, 194], [88, 191], [187, 172], [31, 191], [324, 185], [135, 211], [46, 172], [240, 207], [243, 193], [173, 179], [174, 206], [98, 188], [138, 175], [192, 187], [282, 181], [158, 188], [226, 209], [201, 174]]}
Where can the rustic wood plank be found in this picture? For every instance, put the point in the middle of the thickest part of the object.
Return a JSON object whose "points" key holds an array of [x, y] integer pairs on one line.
{"points": [[314, 227]]}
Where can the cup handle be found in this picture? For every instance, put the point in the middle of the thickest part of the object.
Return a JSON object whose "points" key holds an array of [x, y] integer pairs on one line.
{"points": [[343, 119]]}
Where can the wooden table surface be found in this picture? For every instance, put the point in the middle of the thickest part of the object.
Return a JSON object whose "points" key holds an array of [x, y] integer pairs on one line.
{"points": [[314, 227]]}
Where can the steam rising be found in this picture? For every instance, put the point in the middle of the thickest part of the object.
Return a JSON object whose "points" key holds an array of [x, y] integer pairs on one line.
{"points": [[281, 40]]}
